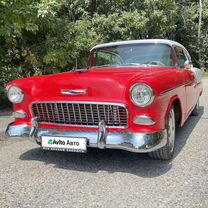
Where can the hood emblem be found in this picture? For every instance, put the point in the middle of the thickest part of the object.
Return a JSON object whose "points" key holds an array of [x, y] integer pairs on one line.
{"points": [[74, 92]]}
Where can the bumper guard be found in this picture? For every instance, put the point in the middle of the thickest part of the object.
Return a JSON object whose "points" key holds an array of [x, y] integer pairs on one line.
{"points": [[130, 141]]}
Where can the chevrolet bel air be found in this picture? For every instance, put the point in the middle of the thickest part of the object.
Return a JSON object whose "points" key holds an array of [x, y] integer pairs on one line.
{"points": [[132, 96]]}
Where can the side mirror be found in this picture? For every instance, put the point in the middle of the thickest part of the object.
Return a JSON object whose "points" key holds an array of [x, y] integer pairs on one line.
{"points": [[187, 64]]}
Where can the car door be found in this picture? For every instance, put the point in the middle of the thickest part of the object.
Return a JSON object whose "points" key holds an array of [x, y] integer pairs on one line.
{"points": [[184, 63]]}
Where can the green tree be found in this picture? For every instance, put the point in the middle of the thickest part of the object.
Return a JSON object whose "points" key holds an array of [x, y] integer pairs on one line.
{"points": [[49, 36]]}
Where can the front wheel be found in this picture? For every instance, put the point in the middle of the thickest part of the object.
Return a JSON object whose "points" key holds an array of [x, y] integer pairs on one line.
{"points": [[166, 152]]}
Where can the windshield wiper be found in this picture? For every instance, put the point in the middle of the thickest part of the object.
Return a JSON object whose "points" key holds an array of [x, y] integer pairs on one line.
{"points": [[131, 64], [105, 65], [138, 64], [74, 69]]}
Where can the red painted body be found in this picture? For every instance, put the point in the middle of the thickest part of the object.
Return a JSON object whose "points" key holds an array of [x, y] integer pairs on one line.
{"points": [[113, 85]]}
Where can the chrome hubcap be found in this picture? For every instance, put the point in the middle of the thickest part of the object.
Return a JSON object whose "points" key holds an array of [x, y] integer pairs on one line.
{"points": [[171, 130]]}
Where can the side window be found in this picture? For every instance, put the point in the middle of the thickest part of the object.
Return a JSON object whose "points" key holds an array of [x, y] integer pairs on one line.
{"points": [[181, 57]]}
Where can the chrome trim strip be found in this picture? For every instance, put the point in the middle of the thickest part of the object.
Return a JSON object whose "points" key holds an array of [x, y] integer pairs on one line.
{"points": [[77, 102], [198, 84], [172, 89], [81, 102], [129, 141], [183, 85], [188, 84]]}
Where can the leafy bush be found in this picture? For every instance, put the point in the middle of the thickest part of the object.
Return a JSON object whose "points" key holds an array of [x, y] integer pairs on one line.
{"points": [[3, 99]]}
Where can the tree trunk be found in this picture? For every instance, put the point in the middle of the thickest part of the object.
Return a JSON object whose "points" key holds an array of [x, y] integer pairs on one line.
{"points": [[199, 33]]}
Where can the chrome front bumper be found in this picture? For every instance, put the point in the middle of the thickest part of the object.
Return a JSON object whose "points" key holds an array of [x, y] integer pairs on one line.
{"points": [[130, 141]]}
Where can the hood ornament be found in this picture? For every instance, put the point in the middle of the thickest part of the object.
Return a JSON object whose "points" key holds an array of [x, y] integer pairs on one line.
{"points": [[74, 92]]}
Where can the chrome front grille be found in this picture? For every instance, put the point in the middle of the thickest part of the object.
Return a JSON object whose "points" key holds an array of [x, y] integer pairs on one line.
{"points": [[81, 114]]}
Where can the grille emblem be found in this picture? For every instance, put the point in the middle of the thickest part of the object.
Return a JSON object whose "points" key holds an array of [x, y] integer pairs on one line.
{"points": [[74, 92]]}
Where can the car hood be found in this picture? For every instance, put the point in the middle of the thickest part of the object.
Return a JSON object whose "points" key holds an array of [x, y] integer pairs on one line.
{"points": [[101, 84]]}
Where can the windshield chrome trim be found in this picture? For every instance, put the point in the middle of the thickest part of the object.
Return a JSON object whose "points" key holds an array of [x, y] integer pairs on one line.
{"points": [[132, 66]]}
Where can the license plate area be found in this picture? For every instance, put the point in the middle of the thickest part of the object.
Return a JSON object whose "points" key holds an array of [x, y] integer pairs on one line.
{"points": [[67, 144]]}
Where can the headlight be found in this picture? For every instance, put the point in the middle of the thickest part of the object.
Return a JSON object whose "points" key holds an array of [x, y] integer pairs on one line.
{"points": [[15, 94], [141, 95]]}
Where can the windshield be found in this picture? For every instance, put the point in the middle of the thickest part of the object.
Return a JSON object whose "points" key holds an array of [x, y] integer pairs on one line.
{"points": [[133, 55]]}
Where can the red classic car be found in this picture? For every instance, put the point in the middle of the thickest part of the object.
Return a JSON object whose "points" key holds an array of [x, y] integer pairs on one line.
{"points": [[132, 97]]}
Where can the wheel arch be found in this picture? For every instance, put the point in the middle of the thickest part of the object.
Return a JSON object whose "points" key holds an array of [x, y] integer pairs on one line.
{"points": [[176, 103]]}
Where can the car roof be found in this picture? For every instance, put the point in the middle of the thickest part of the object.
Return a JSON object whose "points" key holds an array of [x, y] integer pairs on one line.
{"points": [[162, 41]]}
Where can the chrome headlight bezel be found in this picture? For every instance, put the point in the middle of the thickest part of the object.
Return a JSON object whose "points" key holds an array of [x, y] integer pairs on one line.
{"points": [[16, 91], [151, 93]]}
